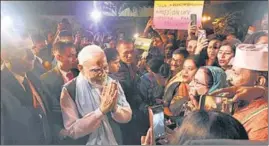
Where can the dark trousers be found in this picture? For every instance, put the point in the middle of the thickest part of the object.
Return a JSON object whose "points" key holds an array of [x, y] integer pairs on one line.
{"points": [[136, 128]]}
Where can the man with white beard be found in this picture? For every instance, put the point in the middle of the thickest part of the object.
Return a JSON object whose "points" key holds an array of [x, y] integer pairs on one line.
{"points": [[92, 102]]}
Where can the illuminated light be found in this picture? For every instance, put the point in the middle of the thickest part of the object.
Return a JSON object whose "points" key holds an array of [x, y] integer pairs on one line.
{"points": [[6, 22], [96, 15], [136, 35], [204, 18], [208, 18]]}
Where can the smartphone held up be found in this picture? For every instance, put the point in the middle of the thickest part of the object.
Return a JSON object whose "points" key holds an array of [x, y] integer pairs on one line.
{"points": [[217, 103], [193, 19], [157, 121]]}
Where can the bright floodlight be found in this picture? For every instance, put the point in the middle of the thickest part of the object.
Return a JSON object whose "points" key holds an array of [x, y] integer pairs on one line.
{"points": [[6, 22], [204, 18], [96, 15], [136, 35]]}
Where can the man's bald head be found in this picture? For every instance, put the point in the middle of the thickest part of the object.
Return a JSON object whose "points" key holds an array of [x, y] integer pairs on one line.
{"points": [[126, 51]]}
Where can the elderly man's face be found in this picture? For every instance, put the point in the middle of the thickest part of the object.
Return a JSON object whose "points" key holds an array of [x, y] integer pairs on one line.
{"points": [[95, 69], [242, 77], [126, 52]]}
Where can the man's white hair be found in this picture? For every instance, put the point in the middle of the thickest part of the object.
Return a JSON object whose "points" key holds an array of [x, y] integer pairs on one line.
{"points": [[88, 53]]}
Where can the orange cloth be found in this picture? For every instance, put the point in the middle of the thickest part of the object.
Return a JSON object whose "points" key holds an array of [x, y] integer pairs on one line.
{"points": [[37, 101], [167, 111], [182, 92], [256, 125]]}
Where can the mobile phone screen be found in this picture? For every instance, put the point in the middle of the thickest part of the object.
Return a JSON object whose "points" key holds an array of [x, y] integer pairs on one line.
{"points": [[221, 104], [202, 34], [158, 121], [193, 19]]}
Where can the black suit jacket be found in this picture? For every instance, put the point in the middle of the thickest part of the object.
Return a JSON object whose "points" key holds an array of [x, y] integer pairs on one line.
{"points": [[53, 80], [38, 69], [129, 85], [21, 122]]}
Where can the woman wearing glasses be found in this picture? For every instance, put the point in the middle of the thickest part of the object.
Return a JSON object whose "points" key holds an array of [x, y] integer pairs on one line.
{"points": [[206, 80]]}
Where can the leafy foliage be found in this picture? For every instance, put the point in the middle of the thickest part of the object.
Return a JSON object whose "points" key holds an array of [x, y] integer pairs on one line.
{"points": [[116, 7], [231, 23]]}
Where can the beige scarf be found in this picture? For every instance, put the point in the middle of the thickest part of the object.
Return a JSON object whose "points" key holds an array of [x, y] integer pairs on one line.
{"points": [[176, 78]]}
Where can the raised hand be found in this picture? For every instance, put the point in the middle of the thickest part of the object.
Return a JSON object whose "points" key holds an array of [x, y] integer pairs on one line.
{"points": [[148, 139], [242, 93], [150, 22], [192, 30], [201, 44], [108, 96], [77, 38], [115, 97]]}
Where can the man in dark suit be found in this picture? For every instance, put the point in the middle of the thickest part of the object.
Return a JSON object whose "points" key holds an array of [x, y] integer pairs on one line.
{"points": [[25, 107], [65, 55], [39, 68], [127, 76]]}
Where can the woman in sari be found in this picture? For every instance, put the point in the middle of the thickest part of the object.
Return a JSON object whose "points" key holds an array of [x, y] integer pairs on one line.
{"points": [[174, 98]]}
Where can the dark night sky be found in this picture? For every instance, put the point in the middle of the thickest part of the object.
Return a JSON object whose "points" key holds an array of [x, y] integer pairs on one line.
{"points": [[46, 7], [81, 7], [26, 9]]}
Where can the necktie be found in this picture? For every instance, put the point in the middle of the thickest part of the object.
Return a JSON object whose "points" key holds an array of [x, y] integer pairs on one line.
{"points": [[70, 76], [28, 90], [35, 97]]}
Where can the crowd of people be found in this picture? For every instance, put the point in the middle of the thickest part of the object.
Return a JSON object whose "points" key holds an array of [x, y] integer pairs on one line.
{"points": [[78, 88]]}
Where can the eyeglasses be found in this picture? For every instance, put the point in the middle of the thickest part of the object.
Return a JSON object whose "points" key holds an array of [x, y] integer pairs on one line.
{"points": [[196, 82], [97, 70]]}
